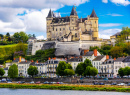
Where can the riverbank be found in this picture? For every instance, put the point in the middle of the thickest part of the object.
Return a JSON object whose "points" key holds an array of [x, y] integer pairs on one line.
{"points": [[67, 87]]}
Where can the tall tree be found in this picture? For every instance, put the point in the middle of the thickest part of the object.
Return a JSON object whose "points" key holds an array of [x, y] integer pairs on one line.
{"points": [[79, 69], [69, 72], [32, 70], [93, 71], [121, 72], [2, 72], [13, 71], [61, 67], [87, 71], [7, 34], [127, 71]]}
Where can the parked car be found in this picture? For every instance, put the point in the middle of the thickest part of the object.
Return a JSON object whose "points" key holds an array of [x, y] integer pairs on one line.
{"points": [[101, 83], [22, 81], [32, 82], [113, 83], [19, 82], [46, 82], [8, 80], [105, 79], [38, 82], [58, 83], [52, 82], [95, 83], [3, 80], [128, 84], [121, 84], [61, 83]]}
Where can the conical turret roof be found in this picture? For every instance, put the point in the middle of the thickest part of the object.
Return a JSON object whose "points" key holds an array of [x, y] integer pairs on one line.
{"points": [[73, 12], [93, 14], [50, 14]]}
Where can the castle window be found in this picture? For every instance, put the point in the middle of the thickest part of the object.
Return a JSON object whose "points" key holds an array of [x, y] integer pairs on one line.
{"points": [[56, 29], [63, 28], [60, 29], [75, 34], [53, 28], [95, 21]]}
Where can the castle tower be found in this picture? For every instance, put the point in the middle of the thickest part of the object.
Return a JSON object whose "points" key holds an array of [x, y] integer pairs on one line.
{"points": [[94, 21], [73, 21], [49, 19]]}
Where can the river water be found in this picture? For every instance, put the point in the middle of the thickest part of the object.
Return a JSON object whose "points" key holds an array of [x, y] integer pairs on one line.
{"points": [[6, 91]]}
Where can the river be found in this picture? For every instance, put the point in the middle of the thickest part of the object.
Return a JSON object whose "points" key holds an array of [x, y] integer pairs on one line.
{"points": [[6, 91]]}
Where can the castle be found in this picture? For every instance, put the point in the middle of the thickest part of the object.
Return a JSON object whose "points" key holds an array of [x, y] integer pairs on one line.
{"points": [[72, 28]]}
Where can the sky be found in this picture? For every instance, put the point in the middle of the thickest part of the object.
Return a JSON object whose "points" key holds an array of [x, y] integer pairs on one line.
{"points": [[30, 15]]}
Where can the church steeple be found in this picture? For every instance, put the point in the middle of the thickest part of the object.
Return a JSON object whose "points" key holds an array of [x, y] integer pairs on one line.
{"points": [[50, 14], [93, 14], [73, 12]]}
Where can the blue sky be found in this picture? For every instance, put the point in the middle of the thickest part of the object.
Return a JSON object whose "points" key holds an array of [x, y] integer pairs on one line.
{"points": [[21, 15]]}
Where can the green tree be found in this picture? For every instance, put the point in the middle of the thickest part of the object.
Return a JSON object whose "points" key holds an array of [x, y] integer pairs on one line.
{"points": [[79, 69], [32, 70], [93, 71], [69, 66], [87, 62], [2, 72], [121, 72], [127, 71], [1, 35], [69, 72], [61, 67], [7, 34], [13, 71], [87, 71]]}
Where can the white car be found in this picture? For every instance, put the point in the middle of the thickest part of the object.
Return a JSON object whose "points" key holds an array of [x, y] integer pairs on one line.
{"points": [[32, 82], [9, 82], [121, 84]]}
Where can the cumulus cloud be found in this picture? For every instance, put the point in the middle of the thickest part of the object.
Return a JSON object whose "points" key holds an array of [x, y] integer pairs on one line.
{"points": [[40, 4], [121, 2], [105, 34], [41, 38], [110, 24], [105, 1]]}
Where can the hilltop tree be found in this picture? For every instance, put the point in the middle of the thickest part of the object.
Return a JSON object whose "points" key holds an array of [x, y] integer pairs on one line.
{"points": [[32, 70], [7, 34], [13, 71], [2, 72]]}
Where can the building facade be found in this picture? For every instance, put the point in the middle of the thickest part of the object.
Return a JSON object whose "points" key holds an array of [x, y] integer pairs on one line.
{"points": [[72, 28]]}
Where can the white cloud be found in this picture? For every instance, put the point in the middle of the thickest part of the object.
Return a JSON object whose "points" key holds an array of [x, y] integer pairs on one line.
{"points": [[41, 38], [105, 34], [110, 24], [121, 2], [105, 1], [115, 14]]}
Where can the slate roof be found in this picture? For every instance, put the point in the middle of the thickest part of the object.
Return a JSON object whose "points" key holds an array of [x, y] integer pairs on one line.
{"points": [[50, 14], [24, 62], [75, 60], [73, 12], [127, 59], [17, 60], [93, 14], [61, 19], [117, 34], [90, 53], [48, 45], [108, 61], [98, 58], [32, 38], [120, 59]]}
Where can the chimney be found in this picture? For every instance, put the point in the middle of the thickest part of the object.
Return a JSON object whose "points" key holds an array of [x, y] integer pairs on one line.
{"points": [[14, 58], [25, 60], [37, 61], [19, 58], [32, 61], [49, 58], [95, 52], [107, 56], [85, 51], [54, 58], [114, 58]]}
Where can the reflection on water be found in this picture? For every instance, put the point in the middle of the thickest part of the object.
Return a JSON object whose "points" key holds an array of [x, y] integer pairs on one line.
{"points": [[6, 91]]}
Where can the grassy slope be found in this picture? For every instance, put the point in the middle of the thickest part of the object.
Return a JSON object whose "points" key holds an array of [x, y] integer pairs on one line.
{"points": [[2, 46]]}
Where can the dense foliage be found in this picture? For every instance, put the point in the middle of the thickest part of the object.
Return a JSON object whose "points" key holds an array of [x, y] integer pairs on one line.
{"points": [[42, 55], [86, 69], [64, 69], [13, 71], [124, 71], [32, 70], [2, 72]]}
